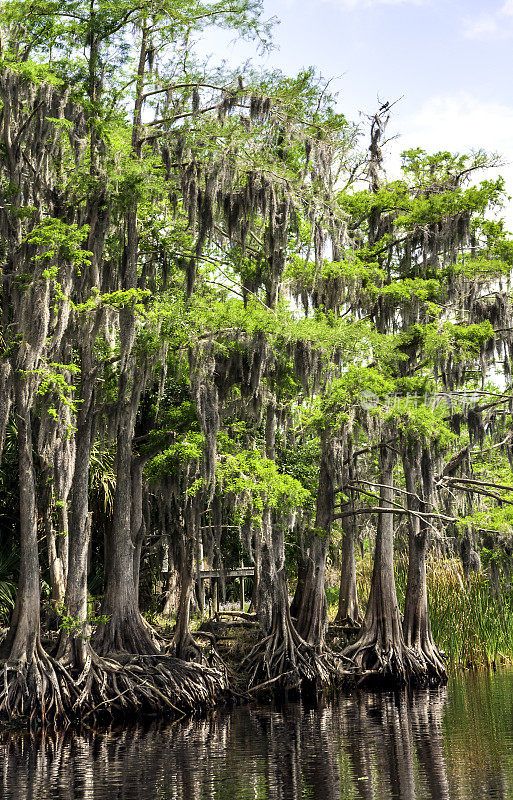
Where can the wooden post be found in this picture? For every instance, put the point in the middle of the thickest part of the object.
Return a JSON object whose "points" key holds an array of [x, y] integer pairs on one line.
{"points": [[242, 598], [215, 598], [199, 567]]}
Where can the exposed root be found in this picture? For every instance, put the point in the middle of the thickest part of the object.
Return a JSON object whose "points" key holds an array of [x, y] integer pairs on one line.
{"points": [[349, 622], [44, 692], [36, 690], [379, 663], [432, 664], [286, 662], [150, 684], [130, 634]]}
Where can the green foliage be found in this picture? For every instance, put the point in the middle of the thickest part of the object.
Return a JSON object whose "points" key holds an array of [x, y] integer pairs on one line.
{"points": [[58, 241], [256, 480]]}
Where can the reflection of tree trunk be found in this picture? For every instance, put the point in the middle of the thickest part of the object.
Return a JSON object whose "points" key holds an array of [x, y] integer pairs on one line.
{"points": [[324, 772], [427, 709], [357, 741], [283, 754], [399, 746]]}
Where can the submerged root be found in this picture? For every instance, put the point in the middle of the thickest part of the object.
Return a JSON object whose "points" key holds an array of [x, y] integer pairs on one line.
{"points": [[43, 691]]}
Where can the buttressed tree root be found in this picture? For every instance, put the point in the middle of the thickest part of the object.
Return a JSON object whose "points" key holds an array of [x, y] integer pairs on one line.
{"points": [[283, 661], [44, 692]]}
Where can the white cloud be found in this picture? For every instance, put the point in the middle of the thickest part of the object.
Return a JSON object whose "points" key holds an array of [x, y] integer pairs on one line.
{"points": [[484, 25], [461, 122], [491, 24]]}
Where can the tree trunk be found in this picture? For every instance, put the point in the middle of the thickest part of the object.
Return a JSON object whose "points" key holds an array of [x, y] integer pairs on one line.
{"points": [[267, 577], [5, 399], [22, 638], [302, 571], [312, 619], [416, 625], [183, 645], [380, 651], [125, 630], [30, 685], [55, 562], [172, 586], [137, 523], [348, 607], [72, 645], [257, 560]]}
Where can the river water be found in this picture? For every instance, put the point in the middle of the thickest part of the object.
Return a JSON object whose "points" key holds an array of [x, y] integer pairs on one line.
{"points": [[455, 743]]}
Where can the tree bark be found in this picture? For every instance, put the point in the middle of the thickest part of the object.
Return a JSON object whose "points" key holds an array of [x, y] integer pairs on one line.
{"points": [[137, 522], [125, 630], [55, 562], [172, 586], [312, 619], [348, 607], [20, 644], [72, 645], [380, 651], [302, 571], [416, 625], [183, 645]]}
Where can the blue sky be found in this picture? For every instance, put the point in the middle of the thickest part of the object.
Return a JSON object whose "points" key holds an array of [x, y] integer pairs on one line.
{"points": [[450, 61]]}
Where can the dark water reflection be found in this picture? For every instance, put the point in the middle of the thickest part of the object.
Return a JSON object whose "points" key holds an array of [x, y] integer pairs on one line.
{"points": [[452, 743]]}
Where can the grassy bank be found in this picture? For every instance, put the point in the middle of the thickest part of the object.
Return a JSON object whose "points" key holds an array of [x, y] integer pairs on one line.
{"points": [[473, 627]]}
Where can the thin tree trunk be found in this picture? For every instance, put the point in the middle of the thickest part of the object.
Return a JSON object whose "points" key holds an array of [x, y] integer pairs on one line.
{"points": [[183, 645], [257, 559], [125, 629], [302, 571], [137, 523], [380, 651], [172, 585], [348, 607], [416, 624], [312, 619], [72, 645], [55, 564], [22, 638], [5, 399]]}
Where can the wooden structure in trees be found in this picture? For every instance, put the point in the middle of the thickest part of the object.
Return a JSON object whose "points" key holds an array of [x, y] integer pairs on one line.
{"points": [[214, 576]]}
